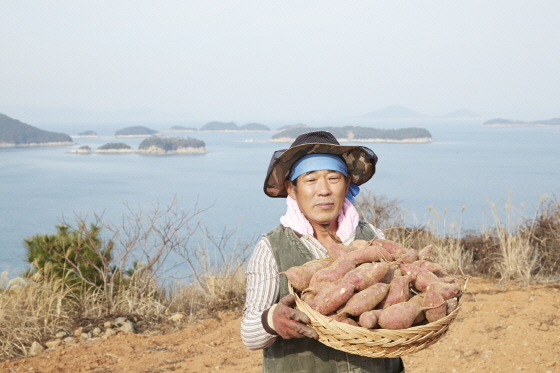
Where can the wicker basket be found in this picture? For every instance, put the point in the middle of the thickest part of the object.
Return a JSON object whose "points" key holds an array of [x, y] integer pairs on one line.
{"points": [[375, 342]]}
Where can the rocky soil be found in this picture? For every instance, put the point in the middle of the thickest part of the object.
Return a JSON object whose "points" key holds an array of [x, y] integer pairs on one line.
{"points": [[499, 329]]}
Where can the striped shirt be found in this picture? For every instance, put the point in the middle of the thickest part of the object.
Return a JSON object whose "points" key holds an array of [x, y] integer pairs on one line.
{"points": [[263, 288]]}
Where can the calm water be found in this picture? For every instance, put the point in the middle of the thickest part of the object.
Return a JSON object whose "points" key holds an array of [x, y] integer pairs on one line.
{"points": [[467, 166]]}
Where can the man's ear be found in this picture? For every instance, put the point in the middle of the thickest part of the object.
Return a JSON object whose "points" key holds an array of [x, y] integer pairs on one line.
{"points": [[290, 189]]}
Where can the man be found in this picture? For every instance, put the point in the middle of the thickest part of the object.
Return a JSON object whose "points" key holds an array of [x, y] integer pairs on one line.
{"points": [[319, 179]]}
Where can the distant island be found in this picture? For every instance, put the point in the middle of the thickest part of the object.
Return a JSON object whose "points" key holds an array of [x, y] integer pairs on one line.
{"points": [[501, 122], [216, 126], [84, 149], [88, 134], [361, 134], [402, 112], [171, 145], [135, 131], [15, 133], [181, 129], [115, 147], [156, 145]]}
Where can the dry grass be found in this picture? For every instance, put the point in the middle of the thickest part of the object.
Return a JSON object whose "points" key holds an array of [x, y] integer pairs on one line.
{"points": [[31, 311], [515, 249], [226, 292]]}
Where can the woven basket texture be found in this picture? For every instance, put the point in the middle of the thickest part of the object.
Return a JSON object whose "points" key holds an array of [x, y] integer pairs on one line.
{"points": [[375, 342]]}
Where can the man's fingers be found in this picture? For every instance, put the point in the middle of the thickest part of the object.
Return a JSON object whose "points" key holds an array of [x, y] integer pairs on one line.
{"points": [[300, 316], [307, 331], [295, 329], [288, 300]]}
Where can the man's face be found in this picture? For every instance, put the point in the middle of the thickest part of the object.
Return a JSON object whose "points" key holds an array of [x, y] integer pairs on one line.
{"points": [[320, 195]]}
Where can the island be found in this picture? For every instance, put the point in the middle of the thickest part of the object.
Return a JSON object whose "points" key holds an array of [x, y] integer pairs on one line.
{"points": [[84, 149], [181, 129], [156, 145], [90, 134], [361, 134], [216, 126], [115, 147], [135, 131], [501, 122], [14, 133]]}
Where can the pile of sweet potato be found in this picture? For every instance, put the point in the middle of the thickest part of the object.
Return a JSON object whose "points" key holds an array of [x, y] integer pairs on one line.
{"points": [[376, 284]]}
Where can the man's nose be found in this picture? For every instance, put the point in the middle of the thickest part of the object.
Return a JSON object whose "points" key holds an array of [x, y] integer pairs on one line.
{"points": [[323, 186]]}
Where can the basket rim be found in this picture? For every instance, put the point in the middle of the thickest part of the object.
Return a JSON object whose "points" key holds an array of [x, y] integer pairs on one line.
{"points": [[376, 342], [306, 308]]}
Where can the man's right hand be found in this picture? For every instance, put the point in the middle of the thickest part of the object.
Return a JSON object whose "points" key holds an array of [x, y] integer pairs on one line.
{"points": [[289, 322]]}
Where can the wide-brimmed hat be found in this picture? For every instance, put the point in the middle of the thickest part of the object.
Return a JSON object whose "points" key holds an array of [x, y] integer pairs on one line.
{"points": [[360, 160]]}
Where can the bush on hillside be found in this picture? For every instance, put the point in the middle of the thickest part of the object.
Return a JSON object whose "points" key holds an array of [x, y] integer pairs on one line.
{"points": [[77, 256]]}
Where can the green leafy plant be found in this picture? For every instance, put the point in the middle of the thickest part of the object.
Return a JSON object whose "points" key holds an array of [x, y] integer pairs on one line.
{"points": [[75, 255]]}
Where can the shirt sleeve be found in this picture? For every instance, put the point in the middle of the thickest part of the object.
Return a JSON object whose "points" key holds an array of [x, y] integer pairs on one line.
{"points": [[262, 291]]}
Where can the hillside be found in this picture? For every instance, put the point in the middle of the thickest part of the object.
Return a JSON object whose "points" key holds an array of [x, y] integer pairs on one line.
{"points": [[499, 329], [363, 134], [15, 133]]}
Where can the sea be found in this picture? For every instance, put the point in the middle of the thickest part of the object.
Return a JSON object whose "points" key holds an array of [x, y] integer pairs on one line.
{"points": [[461, 179]]}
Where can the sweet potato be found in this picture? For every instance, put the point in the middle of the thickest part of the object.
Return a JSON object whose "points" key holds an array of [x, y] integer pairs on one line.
{"points": [[398, 292], [359, 244], [394, 271], [329, 301], [366, 275], [409, 256], [369, 254], [368, 319], [395, 249], [410, 269], [344, 319], [425, 253], [437, 306], [430, 266], [365, 300], [308, 297], [399, 316], [333, 272], [423, 279], [337, 250], [300, 276], [419, 300], [446, 290]]}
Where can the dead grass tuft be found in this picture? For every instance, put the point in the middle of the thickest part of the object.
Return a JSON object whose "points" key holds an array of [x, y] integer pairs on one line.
{"points": [[31, 311]]}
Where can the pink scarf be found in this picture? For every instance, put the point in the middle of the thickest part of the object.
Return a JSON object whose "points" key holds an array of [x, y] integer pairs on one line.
{"points": [[347, 220]]}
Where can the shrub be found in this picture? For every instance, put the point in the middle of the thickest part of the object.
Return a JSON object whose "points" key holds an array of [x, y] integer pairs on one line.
{"points": [[73, 255]]}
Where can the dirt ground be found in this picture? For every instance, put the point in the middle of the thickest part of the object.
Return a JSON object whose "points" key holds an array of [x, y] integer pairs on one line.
{"points": [[499, 329]]}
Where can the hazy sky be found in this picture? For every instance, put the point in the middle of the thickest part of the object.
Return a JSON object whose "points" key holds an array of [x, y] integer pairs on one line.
{"points": [[256, 60]]}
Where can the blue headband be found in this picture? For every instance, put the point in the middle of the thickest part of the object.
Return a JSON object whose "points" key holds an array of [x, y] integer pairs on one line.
{"points": [[317, 162]]}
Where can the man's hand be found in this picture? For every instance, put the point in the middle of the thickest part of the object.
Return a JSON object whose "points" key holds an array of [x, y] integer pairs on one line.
{"points": [[289, 322]]}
